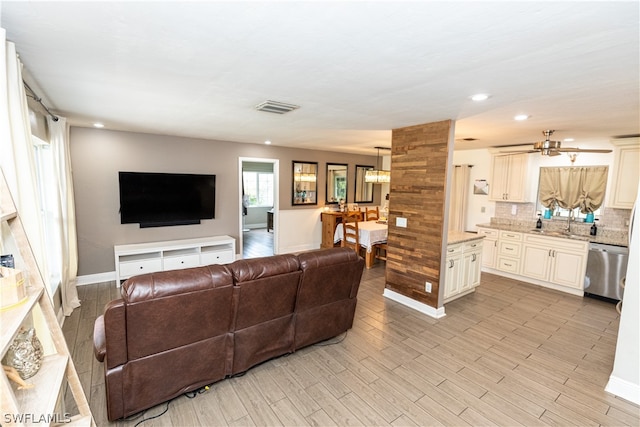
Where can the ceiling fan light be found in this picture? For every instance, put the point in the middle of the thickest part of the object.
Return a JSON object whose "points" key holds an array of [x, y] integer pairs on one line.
{"points": [[521, 117]]}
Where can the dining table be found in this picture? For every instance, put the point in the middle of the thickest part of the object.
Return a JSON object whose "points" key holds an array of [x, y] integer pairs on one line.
{"points": [[370, 234]]}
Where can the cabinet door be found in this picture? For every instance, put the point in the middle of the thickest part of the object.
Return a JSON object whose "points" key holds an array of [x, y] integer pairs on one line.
{"points": [[471, 274], [535, 262], [516, 178], [452, 276], [489, 252], [624, 186], [499, 176], [568, 268]]}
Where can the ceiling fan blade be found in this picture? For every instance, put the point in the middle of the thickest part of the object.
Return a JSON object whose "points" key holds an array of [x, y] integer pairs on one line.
{"points": [[582, 150], [520, 151], [554, 152]]}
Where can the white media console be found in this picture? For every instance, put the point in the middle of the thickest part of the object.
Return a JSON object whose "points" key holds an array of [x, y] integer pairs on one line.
{"points": [[140, 258]]}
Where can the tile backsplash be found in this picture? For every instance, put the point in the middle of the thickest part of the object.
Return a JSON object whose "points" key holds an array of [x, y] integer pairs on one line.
{"points": [[610, 220]]}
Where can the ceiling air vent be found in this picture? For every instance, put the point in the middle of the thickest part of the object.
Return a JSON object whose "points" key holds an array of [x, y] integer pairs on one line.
{"points": [[276, 107]]}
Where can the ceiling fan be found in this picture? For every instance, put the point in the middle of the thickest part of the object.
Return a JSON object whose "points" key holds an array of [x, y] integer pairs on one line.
{"points": [[554, 148]]}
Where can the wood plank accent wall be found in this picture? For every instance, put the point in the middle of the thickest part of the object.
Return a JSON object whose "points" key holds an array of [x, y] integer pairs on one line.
{"points": [[418, 192]]}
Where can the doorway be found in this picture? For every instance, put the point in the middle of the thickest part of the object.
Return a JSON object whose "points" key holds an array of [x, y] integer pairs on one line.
{"points": [[258, 222]]}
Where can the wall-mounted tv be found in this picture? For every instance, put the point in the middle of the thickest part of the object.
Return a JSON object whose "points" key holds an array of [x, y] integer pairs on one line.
{"points": [[163, 199]]}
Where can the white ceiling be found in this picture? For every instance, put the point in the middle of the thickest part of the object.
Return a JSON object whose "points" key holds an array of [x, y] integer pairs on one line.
{"points": [[357, 69]]}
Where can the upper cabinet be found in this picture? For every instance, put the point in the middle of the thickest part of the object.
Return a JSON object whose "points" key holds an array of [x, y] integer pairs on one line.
{"points": [[624, 185], [508, 178]]}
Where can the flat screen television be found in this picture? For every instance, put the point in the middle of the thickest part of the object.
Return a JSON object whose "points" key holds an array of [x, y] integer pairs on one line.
{"points": [[164, 199]]}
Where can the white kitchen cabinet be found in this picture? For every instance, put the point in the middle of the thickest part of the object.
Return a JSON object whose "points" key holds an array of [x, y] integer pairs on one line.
{"points": [[624, 185], [559, 261], [509, 178], [454, 271], [472, 265], [489, 246], [509, 251], [463, 269]]}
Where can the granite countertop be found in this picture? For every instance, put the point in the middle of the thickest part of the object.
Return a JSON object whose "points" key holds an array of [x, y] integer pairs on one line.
{"points": [[607, 238], [462, 236]]}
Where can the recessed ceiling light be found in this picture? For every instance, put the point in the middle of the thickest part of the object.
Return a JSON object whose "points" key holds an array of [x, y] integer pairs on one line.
{"points": [[521, 117], [98, 125], [267, 142], [568, 140], [480, 97]]}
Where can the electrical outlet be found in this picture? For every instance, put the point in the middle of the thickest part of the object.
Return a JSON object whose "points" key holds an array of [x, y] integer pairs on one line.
{"points": [[427, 287], [514, 209]]}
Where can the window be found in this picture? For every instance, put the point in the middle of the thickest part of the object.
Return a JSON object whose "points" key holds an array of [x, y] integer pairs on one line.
{"points": [[50, 212], [258, 189]]}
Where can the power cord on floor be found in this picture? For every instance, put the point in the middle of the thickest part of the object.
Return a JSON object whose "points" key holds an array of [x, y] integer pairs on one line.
{"points": [[326, 343], [189, 395]]}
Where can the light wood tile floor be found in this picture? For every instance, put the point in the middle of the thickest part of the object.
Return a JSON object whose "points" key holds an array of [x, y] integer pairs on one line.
{"points": [[510, 354]]}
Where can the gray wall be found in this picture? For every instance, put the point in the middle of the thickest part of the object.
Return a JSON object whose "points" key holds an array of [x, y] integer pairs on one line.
{"points": [[97, 155]]}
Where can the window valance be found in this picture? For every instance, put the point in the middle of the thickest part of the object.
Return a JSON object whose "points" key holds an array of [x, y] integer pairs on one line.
{"points": [[573, 187]]}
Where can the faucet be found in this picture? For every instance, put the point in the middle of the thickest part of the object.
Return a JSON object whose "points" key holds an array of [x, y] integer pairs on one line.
{"points": [[569, 221]]}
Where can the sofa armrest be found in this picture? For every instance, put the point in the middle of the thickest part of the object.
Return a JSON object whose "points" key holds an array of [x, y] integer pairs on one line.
{"points": [[99, 339]]}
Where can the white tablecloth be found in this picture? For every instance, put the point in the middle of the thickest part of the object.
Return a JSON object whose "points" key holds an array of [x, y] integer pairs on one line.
{"points": [[370, 233]]}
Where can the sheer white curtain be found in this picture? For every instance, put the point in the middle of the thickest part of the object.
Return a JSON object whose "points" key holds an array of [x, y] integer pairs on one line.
{"points": [[66, 217], [459, 197], [17, 159]]}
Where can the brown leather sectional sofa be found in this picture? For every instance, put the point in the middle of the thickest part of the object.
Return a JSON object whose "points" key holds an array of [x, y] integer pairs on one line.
{"points": [[176, 331]]}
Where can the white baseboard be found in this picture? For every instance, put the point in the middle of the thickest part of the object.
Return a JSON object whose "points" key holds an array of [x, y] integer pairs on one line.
{"points": [[299, 248], [416, 305], [90, 279], [624, 389]]}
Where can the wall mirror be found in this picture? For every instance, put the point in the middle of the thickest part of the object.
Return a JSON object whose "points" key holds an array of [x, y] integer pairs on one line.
{"points": [[305, 183], [364, 190], [336, 183], [574, 191]]}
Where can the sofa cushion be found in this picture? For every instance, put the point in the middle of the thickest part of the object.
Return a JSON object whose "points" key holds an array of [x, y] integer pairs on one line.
{"points": [[328, 276], [266, 290], [170, 309]]}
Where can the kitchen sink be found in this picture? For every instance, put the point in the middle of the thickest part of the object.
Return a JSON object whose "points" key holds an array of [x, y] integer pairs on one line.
{"points": [[557, 233]]}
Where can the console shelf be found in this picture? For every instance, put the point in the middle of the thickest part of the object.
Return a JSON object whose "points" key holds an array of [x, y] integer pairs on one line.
{"points": [[140, 258], [43, 403]]}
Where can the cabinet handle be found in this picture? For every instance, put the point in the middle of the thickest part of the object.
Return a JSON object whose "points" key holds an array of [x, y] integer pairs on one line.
{"points": [[473, 246], [450, 250], [495, 244], [550, 252], [473, 258], [509, 249], [508, 265], [450, 263], [554, 254]]}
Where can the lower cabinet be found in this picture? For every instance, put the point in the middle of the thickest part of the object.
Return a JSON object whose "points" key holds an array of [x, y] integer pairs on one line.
{"points": [[489, 246], [559, 261], [509, 251], [464, 262]]}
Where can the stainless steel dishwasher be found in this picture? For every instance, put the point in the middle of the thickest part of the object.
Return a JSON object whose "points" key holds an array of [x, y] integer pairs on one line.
{"points": [[606, 267]]}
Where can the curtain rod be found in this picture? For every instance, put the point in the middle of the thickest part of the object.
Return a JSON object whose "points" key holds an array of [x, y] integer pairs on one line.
{"points": [[39, 101]]}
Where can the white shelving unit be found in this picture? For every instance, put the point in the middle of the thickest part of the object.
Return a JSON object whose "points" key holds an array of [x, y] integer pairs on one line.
{"points": [[140, 258], [42, 404]]}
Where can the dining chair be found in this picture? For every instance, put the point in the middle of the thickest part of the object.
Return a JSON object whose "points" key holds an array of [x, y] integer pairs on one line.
{"points": [[381, 251], [372, 214], [350, 232]]}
